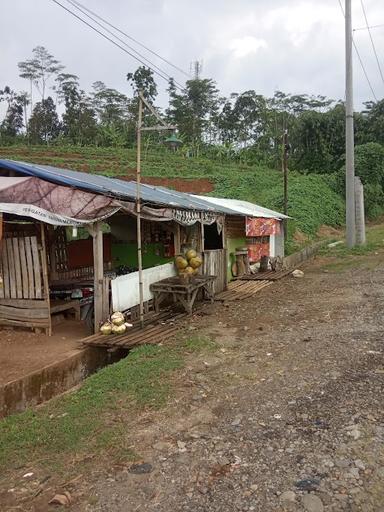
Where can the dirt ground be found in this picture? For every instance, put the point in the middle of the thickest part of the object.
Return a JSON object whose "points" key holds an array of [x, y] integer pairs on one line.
{"points": [[286, 414], [22, 351]]}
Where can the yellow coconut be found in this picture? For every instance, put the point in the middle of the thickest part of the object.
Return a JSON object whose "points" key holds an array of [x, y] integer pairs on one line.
{"points": [[195, 262], [191, 253], [181, 262]]}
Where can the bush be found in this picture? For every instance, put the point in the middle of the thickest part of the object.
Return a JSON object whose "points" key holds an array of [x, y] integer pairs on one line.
{"points": [[311, 203]]}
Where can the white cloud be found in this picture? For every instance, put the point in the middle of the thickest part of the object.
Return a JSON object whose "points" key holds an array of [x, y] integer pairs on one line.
{"points": [[247, 45]]}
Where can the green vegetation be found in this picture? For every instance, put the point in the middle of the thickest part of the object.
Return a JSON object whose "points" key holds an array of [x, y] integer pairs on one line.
{"points": [[312, 201], [342, 258], [85, 420], [91, 419]]}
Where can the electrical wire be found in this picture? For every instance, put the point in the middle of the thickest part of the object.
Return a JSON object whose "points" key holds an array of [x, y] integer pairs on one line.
{"points": [[372, 42], [166, 78], [360, 59], [124, 42], [370, 27], [78, 4]]}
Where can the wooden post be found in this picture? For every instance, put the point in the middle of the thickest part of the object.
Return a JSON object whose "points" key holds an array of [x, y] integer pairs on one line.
{"points": [[138, 212], [98, 275], [44, 264], [177, 238], [202, 236]]}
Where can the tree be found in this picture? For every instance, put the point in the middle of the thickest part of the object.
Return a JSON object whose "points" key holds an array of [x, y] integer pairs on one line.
{"points": [[40, 69], [111, 105], [79, 118], [142, 80], [12, 123], [44, 124], [28, 70], [195, 110]]}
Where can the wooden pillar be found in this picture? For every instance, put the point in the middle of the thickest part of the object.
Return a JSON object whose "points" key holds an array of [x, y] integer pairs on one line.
{"points": [[44, 264], [98, 264], [177, 238]]}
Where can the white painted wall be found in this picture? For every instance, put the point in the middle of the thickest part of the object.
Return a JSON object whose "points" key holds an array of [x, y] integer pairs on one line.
{"points": [[125, 289]]}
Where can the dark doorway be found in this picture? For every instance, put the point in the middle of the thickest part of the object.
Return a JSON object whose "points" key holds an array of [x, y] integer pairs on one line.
{"points": [[212, 238]]}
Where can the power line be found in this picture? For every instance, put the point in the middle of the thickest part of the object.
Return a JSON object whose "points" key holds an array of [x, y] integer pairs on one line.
{"points": [[360, 59], [78, 4], [114, 42], [370, 27], [372, 42], [123, 42]]}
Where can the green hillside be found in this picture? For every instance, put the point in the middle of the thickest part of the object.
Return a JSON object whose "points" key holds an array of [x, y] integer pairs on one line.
{"points": [[312, 202]]}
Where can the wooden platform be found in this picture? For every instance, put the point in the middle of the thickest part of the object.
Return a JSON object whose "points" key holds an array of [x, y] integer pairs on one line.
{"points": [[162, 326], [159, 328], [270, 275], [240, 290]]}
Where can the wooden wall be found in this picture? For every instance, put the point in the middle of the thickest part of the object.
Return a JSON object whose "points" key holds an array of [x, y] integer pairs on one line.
{"points": [[24, 298]]}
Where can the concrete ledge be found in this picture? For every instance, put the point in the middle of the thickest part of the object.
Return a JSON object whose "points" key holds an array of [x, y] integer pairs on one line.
{"points": [[41, 385], [293, 260]]}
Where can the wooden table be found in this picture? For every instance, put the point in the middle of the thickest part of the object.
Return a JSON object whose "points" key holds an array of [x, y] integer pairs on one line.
{"points": [[180, 291]]}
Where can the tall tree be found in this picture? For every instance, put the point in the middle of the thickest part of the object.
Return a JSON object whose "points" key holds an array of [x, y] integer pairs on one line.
{"points": [[143, 80], [40, 68], [12, 123], [195, 109], [44, 124], [79, 118]]}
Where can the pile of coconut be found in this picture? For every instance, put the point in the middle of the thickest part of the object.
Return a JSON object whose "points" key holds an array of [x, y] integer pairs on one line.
{"points": [[188, 264], [116, 324]]}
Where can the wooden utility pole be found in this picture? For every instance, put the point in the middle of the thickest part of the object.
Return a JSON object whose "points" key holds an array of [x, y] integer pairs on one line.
{"points": [[138, 211], [163, 126], [285, 174]]}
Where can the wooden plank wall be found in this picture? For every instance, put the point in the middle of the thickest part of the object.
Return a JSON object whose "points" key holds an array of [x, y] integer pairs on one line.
{"points": [[23, 297], [234, 226], [215, 264]]}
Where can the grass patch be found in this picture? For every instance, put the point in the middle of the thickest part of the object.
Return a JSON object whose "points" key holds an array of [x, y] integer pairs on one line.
{"points": [[344, 258], [84, 420], [92, 419], [200, 344]]}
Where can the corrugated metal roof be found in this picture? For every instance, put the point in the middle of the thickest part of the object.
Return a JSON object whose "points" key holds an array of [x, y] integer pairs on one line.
{"points": [[126, 190], [120, 189], [244, 207]]}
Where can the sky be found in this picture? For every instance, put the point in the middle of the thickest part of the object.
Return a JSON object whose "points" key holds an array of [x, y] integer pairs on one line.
{"points": [[296, 46]]}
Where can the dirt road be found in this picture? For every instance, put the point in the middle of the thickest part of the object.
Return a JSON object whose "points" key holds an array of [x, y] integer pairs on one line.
{"points": [[286, 414]]}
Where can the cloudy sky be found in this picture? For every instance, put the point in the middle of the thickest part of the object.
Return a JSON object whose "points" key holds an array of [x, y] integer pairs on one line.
{"points": [[295, 46]]}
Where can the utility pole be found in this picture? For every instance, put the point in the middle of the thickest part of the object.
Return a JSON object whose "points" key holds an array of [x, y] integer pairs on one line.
{"points": [[162, 126], [285, 174], [349, 135], [138, 211]]}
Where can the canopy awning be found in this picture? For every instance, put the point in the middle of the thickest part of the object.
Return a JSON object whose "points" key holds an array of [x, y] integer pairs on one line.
{"points": [[53, 204]]}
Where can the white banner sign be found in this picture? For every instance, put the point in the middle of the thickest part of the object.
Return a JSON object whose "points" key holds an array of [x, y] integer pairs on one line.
{"points": [[27, 210]]}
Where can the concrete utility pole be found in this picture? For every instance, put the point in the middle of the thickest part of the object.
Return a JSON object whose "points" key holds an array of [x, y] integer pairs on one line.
{"points": [[285, 173], [349, 135]]}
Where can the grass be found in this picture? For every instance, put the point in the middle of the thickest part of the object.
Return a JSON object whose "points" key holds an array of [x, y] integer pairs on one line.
{"points": [[344, 258], [91, 420]]}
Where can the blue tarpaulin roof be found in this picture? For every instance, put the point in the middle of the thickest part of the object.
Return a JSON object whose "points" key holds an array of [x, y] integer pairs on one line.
{"points": [[124, 190]]}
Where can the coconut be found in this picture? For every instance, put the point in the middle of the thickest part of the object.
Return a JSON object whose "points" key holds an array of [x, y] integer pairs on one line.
{"points": [[181, 262], [191, 253], [106, 328], [195, 262], [119, 329], [117, 318]]}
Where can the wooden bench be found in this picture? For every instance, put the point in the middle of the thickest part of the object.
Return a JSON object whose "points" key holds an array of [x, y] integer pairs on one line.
{"points": [[65, 305]]}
